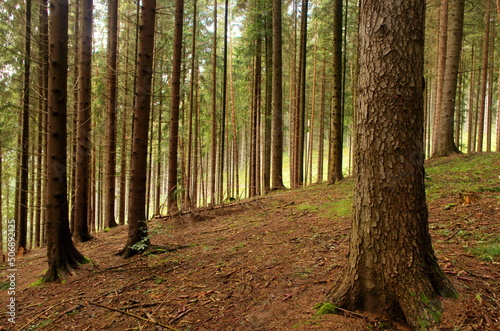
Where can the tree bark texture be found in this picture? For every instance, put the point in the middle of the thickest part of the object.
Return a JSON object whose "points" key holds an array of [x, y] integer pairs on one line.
{"points": [[391, 268], [61, 253], [138, 233], [484, 79]]}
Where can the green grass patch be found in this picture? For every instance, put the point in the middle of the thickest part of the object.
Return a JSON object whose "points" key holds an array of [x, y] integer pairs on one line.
{"points": [[489, 251], [338, 208]]}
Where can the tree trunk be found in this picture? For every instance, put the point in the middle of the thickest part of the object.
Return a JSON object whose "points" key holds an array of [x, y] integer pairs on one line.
{"points": [[484, 80], [471, 113], [82, 190], [138, 239], [266, 155], [444, 142], [213, 151], [277, 111], [489, 108], [110, 185], [62, 255], [441, 64], [321, 147], [336, 143], [22, 222], [174, 119], [392, 269]]}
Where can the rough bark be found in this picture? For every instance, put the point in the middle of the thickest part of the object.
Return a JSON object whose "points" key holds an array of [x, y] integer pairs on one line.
{"points": [[498, 98], [61, 253], [213, 147], [277, 111], [444, 142], [111, 101], [84, 148], [138, 239], [392, 269]]}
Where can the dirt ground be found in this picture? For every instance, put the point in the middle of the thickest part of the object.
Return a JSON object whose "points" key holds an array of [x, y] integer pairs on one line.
{"points": [[258, 264]]}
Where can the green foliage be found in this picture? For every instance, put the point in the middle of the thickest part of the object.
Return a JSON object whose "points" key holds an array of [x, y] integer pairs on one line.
{"points": [[325, 308], [488, 251]]}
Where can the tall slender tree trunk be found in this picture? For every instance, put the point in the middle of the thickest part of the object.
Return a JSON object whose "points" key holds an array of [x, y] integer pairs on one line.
{"points": [[336, 150], [176, 98], [224, 106], [489, 108], [484, 79], [498, 98], [138, 240], [62, 255], [22, 222], [213, 151], [110, 185], [192, 109], [392, 269], [471, 113], [321, 147], [277, 111], [441, 65], [2, 256], [266, 155], [444, 142], [84, 148]]}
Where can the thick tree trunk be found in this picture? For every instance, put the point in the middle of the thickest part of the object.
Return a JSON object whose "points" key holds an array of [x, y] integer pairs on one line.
{"points": [[84, 148], [391, 268], [498, 98], [277, 112], [111, 101], [138, 239], [444, 142], [176, 99], [61, 253]]}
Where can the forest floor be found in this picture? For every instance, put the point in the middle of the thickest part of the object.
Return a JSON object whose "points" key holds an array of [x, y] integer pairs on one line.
{"points": [[265, 263]]}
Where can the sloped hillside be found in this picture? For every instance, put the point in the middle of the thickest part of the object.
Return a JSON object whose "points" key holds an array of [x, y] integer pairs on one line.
{"points": [[264, 264]]}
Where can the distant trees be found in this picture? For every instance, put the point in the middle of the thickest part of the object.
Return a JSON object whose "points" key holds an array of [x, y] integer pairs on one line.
{"points": [[391, 269]]}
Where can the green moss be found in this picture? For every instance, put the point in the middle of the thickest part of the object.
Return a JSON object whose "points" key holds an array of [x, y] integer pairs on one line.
{"points": [[37, 283], [325, 308], [424, 298], [489, 251]]}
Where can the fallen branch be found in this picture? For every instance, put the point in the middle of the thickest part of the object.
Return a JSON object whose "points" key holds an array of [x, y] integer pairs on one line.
{"points": [[453, 235], [133, 315]]}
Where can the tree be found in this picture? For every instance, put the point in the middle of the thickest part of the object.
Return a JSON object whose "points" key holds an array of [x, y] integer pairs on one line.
{"points": [[484, 79], [138, 239], [110, 185], [498, 98], [176, 98], [83, 149], [335, 157], [61, 253], [22, 222], [392, 269], [444, 142], [277, 111]]}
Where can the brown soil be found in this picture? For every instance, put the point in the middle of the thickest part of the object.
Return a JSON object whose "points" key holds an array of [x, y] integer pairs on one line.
{"points": [[259, 264]]}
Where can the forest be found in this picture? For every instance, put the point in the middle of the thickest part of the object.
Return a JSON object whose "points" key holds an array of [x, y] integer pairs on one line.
{"points": [[123, 114]]}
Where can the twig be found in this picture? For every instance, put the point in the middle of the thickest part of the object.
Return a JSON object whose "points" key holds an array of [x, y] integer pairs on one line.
{"points": [[453, 235], [133, 315], [350, 312]]}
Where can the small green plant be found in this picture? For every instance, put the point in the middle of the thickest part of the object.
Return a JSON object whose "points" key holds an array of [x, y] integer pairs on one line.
{"points": [[325, 308], [488, 251], [107, 229]]}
